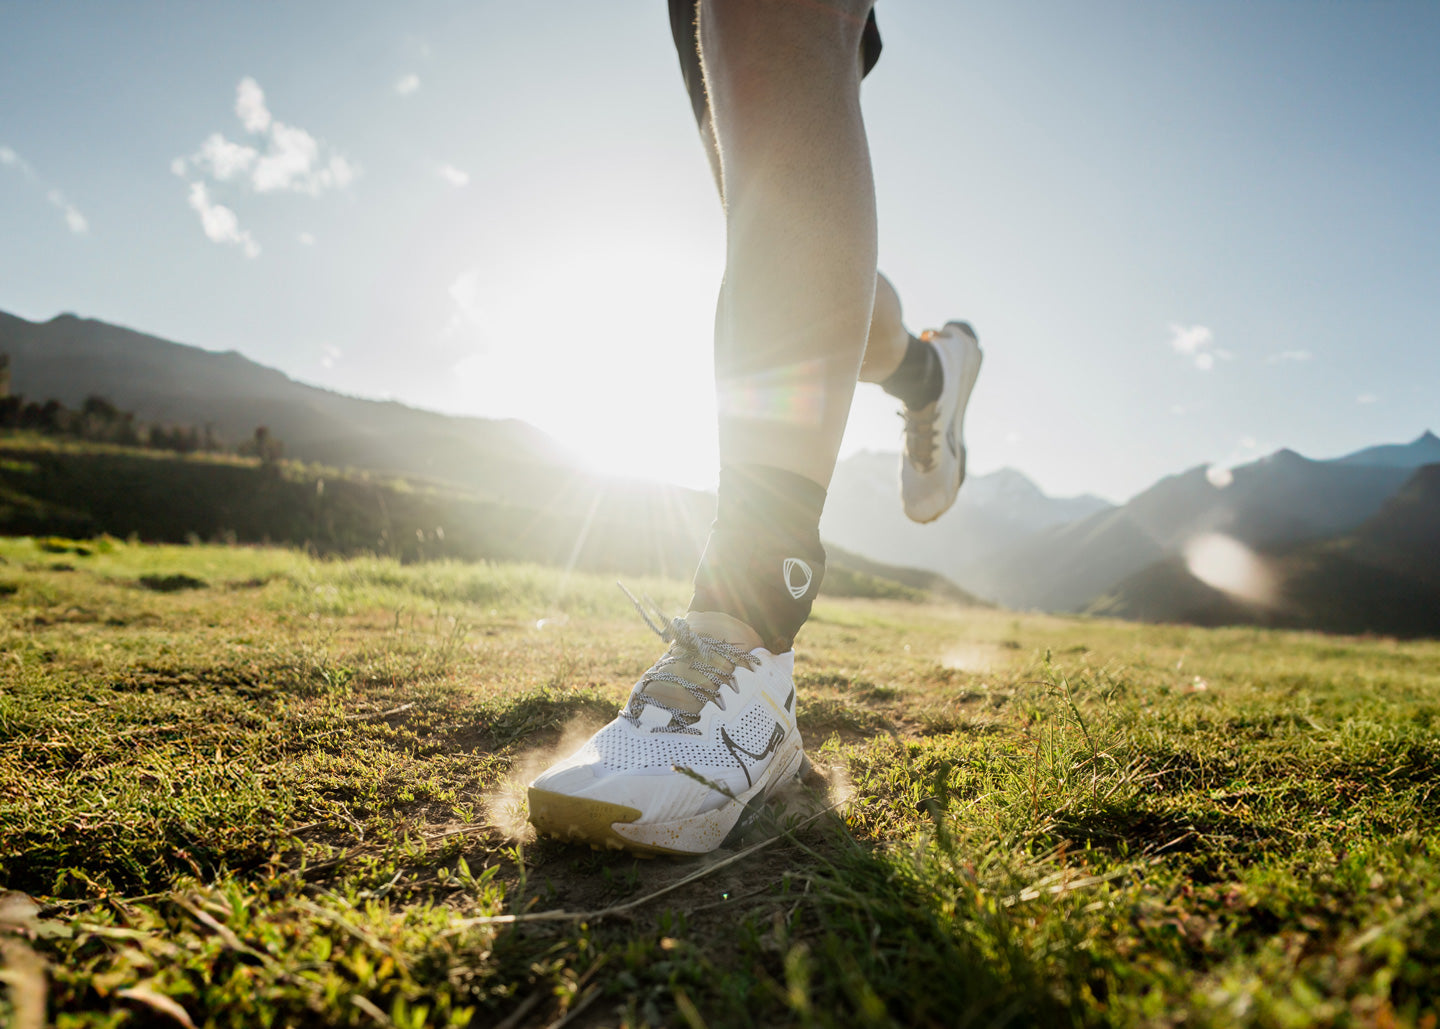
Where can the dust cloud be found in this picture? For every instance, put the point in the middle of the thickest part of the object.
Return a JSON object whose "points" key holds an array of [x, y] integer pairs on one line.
{"points": [[506, 807], [971, 657]]}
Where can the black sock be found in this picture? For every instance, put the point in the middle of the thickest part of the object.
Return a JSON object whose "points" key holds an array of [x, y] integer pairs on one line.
{"points": [[764, 562], [918, 380]]}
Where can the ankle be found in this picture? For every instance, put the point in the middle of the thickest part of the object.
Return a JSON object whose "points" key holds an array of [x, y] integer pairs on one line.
{"points": [[764, 562], [919, 379], [721, 626]]}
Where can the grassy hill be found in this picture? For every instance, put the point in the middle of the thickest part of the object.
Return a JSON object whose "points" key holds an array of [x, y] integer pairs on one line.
{"points": [[70, 358], [49, 487], [247, 786], [499, 490]]}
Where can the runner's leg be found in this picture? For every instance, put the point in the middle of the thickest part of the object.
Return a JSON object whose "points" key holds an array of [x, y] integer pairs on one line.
{"points": [[888, 338], [795, 305], [791, 325], [782, 89]]}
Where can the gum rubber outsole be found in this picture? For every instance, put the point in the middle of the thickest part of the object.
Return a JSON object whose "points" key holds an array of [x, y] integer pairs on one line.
{"points": [[584, 820], [581, 820]]}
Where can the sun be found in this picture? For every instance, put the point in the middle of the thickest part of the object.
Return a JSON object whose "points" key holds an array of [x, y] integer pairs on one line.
{"points": [[605, 348]]}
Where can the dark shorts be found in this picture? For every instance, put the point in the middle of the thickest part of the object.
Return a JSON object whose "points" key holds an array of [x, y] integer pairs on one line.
{"points": [[686, 30]]}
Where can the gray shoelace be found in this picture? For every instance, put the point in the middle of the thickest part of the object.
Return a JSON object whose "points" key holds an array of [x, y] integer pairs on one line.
{"points": [[922, 435], [690, 648]]}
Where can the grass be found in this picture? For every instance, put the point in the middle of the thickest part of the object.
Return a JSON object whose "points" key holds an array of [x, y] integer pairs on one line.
{"points": [[246, 787]]}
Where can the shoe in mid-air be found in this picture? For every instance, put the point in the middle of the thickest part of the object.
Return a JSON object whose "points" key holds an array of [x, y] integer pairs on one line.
{"points": [[708, 733], [933, 464]]}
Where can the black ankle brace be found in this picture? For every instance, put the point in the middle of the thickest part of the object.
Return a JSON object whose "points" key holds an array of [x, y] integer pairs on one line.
{"points": [[764, 562]]}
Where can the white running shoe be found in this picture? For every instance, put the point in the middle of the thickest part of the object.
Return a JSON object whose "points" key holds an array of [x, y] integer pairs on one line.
{"points": [[933, 464], [709, 731]]}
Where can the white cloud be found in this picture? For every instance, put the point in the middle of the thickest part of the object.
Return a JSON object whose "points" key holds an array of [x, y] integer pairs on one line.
{"points": [[294, 162], [1190, 340], [74, 220], [1366, 398], [288, 159], [219, 222], [306, 239], [1288, 356], [342, 172], [330, 355], [1197, 343], [292, 154], [454, 175], [11, 159], [224, 160], [407, 84], [292, 159], [250, 106]]}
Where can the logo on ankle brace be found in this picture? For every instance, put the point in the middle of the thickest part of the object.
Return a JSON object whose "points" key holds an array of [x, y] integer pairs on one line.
{"points": [[789, 568]]}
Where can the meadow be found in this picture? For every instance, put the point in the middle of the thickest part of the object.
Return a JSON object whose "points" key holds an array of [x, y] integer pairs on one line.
{"points": [[253, 787]]}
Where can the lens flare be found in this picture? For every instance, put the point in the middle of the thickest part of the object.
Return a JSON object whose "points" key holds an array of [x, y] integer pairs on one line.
{"points": [[793, 394], [1229, 566]]}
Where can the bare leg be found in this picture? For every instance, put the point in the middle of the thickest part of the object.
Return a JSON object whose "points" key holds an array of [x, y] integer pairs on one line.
{"points": [[888, 337], [795, 307], [885, 348], [791, 326]]}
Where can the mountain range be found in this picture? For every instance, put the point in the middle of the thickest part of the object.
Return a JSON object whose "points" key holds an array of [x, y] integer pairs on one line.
{"points": [[994, 514], [1383, 576], [70, 358], [1338, 538], [1349, 544], [503, 488]]}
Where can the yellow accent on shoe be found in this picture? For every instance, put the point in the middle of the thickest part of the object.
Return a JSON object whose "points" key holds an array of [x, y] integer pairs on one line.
{"points": [[580, 819]]}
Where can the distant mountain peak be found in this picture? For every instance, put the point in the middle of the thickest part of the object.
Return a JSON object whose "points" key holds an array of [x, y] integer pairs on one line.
{"points": [[1423, 449]]}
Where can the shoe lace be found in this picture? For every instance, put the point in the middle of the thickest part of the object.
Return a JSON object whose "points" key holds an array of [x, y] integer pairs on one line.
{"points": [[700, 653], [922, 435]]}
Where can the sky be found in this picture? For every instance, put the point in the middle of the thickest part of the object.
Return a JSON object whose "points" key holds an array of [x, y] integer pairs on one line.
{"points": [[1186, 232]]}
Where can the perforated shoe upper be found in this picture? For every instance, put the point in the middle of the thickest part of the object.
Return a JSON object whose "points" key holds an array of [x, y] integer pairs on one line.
{"points": [[670, 764]]}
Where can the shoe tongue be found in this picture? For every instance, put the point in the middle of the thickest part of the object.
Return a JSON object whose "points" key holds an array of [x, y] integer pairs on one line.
{"points": [[716, 625]]}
